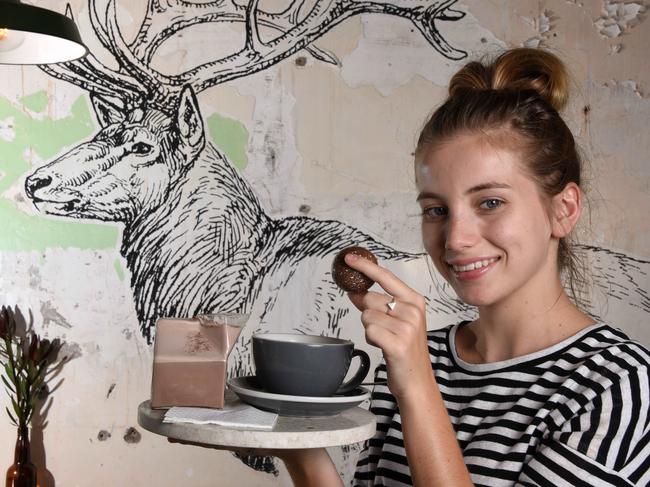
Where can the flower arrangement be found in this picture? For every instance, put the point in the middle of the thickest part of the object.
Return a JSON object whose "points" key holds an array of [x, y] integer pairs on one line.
{"points": [[28, 363]]}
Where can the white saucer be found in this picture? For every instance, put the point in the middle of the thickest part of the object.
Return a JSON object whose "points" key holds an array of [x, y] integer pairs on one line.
{"points": [[249, 390]]}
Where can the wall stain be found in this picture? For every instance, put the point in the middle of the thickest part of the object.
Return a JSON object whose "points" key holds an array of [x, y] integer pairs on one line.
{"points": [[103, 435], [34, 277], [132, 435]]}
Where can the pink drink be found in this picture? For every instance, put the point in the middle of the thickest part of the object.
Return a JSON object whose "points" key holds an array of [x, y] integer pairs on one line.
{"points": [[190, 359]]}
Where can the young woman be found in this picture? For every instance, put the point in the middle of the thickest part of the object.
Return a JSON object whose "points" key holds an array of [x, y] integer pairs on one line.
{"points": [[532, 392]]}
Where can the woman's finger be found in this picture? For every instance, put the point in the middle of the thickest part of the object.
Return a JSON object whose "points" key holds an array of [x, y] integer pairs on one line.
{"points": [[388, 281], [370, 300], [389, 305], [373, 317], [379, 336]]}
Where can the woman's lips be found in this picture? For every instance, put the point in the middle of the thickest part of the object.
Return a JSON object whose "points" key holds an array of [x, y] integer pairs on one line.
{"points": [[473, 270]]}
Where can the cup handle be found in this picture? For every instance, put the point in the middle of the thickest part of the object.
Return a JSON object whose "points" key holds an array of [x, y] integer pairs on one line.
{"points": [[361, 374]]}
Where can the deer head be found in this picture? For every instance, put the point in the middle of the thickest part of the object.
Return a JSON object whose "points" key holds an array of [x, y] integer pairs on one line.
{"points": [[126, 168], [152, 130]]}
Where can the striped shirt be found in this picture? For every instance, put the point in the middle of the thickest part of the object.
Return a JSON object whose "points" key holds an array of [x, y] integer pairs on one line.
{"points": [[575, 414]]}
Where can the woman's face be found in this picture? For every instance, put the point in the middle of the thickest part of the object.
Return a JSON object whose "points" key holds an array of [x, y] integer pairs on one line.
{"points": [[484, 223]]}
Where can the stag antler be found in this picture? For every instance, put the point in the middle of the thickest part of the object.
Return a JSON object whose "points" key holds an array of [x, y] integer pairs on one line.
{"points": [[296, 28], [296, 31], [124, 91]]}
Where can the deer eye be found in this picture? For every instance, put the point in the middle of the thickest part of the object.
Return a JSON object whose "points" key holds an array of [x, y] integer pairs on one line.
{"points": [[141, 148]]}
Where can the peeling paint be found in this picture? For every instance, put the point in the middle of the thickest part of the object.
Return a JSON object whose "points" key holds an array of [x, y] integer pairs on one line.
{"points": [[615, 48], [618, 17], [543, 25], [396, 53], [627, 85]]}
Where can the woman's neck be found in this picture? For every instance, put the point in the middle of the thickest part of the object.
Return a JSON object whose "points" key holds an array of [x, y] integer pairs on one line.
{"points": [[521, 325]]}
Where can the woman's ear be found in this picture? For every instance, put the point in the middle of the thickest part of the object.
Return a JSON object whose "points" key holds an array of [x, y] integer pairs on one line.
{"points": [[567, 207]]}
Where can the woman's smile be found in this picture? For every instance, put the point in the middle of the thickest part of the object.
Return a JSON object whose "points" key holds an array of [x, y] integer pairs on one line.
{"points": [[468, 269]]}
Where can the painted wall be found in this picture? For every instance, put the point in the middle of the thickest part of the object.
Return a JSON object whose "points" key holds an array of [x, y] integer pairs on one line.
{"points": [[199, 191]]}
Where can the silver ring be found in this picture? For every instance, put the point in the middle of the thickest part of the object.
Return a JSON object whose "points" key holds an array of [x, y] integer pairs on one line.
{"points": [[391, 305]]}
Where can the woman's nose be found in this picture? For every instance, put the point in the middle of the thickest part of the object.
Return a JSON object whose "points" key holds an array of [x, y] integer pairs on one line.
{"points": [[461, 233]]}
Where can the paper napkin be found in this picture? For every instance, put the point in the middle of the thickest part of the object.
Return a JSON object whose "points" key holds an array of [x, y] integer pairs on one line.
{"points": [[235, 414]]}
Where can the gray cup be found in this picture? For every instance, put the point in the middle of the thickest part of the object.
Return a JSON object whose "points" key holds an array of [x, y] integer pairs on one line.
{"points": [[306, 365]]}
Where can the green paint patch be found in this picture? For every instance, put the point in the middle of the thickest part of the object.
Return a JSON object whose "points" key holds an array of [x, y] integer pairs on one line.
{"points": [[46, 138], [231, 137], [22, 232], [117, 264], [36, 102]]}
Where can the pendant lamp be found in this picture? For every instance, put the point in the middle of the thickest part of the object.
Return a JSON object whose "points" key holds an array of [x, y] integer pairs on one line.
{"points": [[34, 35]]}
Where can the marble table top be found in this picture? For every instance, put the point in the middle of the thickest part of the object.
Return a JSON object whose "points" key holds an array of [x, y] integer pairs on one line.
{"points": [[350, 426]]}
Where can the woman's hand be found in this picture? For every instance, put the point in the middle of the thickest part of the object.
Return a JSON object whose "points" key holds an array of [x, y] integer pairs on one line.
{"points": [[308, 467], [433, 453], [399, 332]]}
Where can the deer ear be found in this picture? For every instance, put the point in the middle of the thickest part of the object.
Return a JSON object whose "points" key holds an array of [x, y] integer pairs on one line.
{"points": [[190, 124], [106, 112]]}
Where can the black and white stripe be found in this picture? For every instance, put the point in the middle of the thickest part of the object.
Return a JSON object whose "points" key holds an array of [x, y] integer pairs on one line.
{"points": [[575, 414]]}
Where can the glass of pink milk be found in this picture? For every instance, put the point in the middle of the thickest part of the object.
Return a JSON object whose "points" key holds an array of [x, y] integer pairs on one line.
{"points": [[191, 357]]}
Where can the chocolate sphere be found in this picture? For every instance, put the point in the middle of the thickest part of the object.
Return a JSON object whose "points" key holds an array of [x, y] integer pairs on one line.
{"points": [[346, 277]]}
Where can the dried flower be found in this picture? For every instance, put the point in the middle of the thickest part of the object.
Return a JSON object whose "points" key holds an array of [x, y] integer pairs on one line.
{"points": [[5, 323], [26, 364], [33, 347]]}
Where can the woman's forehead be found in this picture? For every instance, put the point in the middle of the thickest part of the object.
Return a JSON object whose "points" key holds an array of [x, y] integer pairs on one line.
{"points": [[467, 161]]}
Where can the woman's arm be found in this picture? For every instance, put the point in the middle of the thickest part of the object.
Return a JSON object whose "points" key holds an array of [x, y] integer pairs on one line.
{"points": [[434, 457], [311, 468], [433, 453], [308, 467]]}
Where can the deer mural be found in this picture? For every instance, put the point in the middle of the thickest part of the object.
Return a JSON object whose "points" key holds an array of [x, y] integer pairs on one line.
{"points": [[195, 236]]}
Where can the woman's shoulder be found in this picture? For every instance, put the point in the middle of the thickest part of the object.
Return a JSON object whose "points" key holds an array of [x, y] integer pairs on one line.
{"points": [[609, 341], [610, 353]]}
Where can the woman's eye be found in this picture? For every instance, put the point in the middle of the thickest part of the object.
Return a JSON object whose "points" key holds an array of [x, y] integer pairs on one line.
{"points": [[141, 148], [491, 204], [434, 212]]}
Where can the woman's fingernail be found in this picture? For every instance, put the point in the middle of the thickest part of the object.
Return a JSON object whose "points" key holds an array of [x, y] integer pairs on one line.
{"points": [[352, 257]]}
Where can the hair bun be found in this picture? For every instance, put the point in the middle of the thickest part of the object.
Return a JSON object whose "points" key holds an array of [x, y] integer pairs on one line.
{"points": [[521, 69]]}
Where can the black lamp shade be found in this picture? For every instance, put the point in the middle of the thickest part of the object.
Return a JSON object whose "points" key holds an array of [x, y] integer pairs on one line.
{"points": [[34, 35]]}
